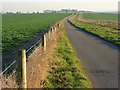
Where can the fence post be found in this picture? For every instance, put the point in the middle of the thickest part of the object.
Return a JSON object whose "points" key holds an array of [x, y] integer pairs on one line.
{"points": [[46, 34], [55, 28], [49, 34], [58, 25], [52, 28], [24, 80], [44, 42]]}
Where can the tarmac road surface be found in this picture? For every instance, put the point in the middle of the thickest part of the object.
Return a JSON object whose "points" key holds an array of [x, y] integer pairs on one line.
{"points": [[98, 57]]}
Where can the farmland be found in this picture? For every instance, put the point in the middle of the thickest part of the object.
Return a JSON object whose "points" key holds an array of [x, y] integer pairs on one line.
{"points": [[68, 73], [103, 29], [103, 19], [101, 16], [19, 28]]}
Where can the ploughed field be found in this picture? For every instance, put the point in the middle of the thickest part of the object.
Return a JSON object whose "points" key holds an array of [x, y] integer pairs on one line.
{"points": [[104, 25], [19, 28]]}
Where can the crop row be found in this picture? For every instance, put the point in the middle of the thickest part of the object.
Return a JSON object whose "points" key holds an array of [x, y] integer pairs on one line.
{"points": [[101, 16], [19, 28]]}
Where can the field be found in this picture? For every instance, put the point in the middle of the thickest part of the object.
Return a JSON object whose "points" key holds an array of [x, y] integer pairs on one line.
{"points": [[66, 70], [19, 28], [101, 16], [107, 30], [103, 19]]}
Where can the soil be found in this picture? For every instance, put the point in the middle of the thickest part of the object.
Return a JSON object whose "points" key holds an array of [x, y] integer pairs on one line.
{"points": [[8, 81], [114, 24], [101, 22]]}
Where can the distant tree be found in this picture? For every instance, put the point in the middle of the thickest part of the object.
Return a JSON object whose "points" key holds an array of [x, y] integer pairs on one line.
{"points": [[33, 12], [18, 12], [37, 12]]}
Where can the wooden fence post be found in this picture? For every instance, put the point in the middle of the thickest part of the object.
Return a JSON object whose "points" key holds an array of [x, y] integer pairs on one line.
{"points": [[49, 34], [52, 32], [58, 24], [24, 80], [44, 43], [55, 28], [46, 34]]}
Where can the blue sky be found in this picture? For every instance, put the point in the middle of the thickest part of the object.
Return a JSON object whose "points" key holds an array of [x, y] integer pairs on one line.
{"points": [[40, 5]]}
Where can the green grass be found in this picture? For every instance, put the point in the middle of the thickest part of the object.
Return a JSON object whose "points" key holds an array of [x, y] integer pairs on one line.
{"points": [[105, 32], [19, 28], [66, 70], [101, 16]]}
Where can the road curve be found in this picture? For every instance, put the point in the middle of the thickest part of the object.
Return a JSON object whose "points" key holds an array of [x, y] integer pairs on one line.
{"points": [[98, 57]]}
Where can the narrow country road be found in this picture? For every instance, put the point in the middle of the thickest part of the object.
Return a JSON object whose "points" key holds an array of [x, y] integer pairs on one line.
{"points": [[98, 57]]}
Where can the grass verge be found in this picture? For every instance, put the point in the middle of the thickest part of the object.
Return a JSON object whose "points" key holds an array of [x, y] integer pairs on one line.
{"points": [[65, 68], [104, 32]]}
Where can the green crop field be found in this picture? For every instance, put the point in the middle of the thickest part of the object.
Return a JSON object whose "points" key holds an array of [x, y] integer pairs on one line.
{"points": [[101, 16], [18, 28]]}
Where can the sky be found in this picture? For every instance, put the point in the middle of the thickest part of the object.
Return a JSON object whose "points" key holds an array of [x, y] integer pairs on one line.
{"points": [[40, 5]]}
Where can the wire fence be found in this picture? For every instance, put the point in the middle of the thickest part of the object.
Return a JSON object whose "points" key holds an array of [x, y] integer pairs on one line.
{"points": [[8, 67], [29, 50], [15, 61]]}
